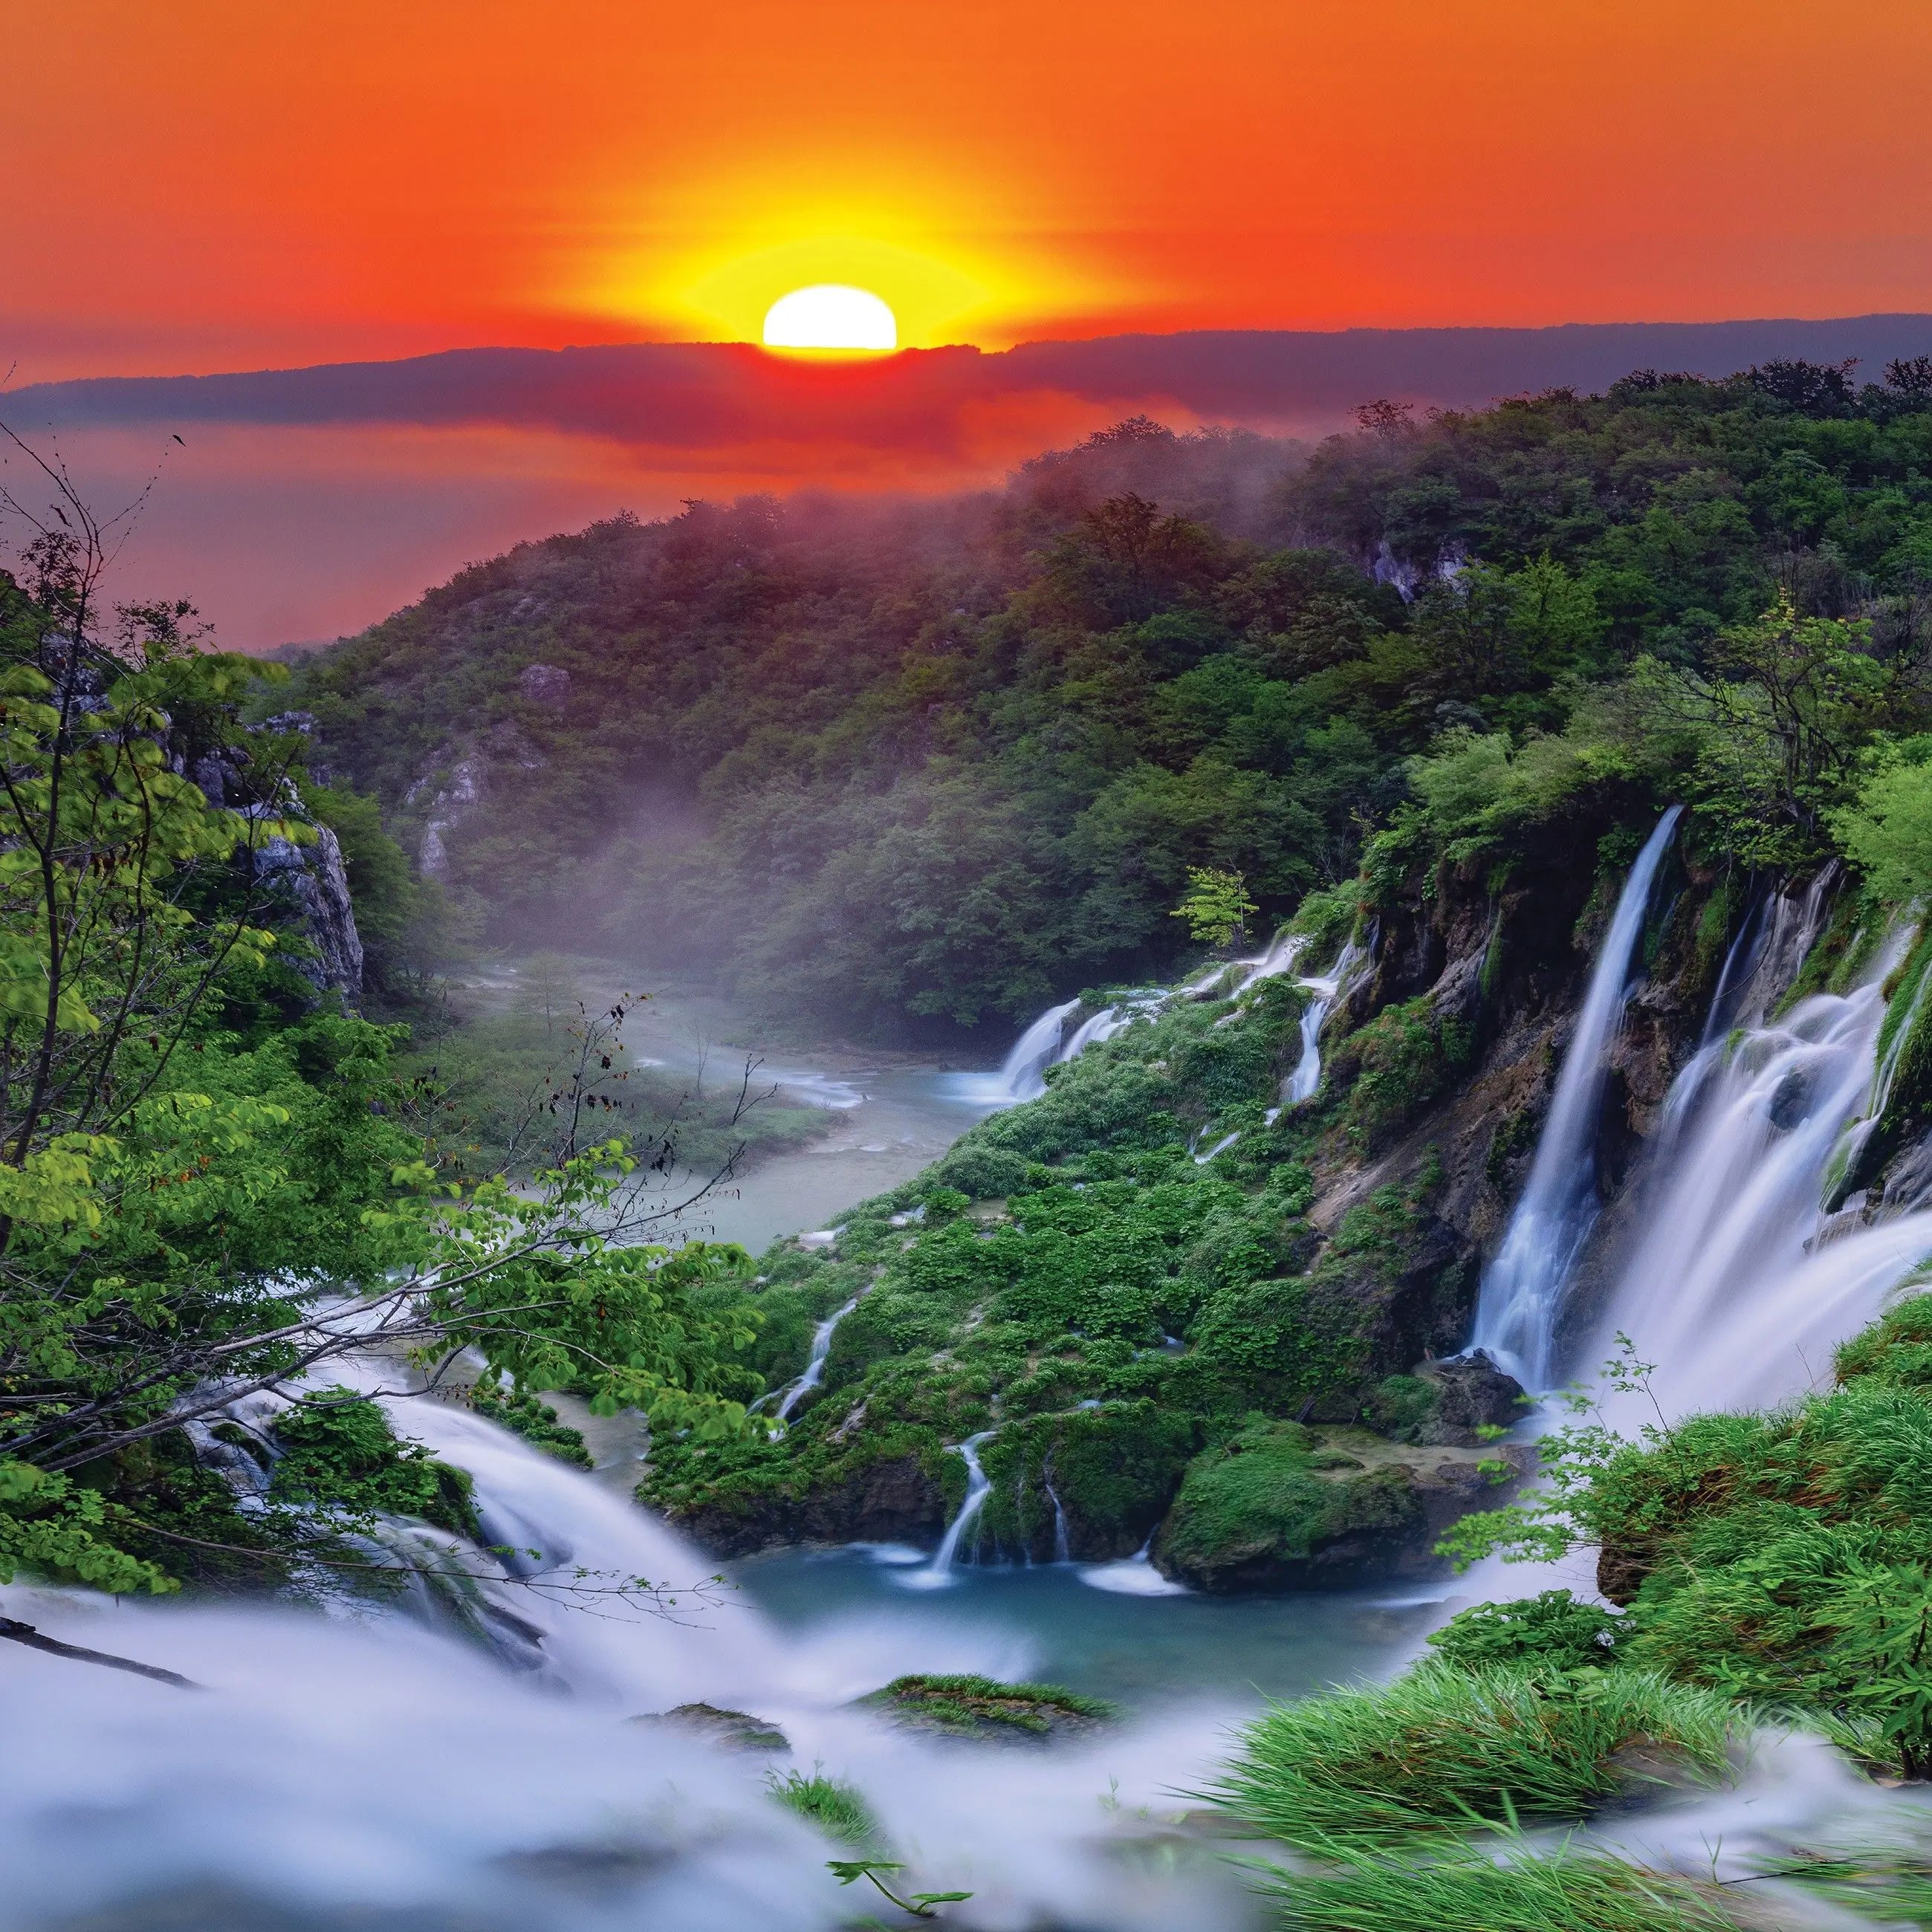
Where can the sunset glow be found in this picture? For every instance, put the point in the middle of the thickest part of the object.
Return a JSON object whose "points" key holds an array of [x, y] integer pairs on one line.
{"points": [[403, 180], [830, 315]]}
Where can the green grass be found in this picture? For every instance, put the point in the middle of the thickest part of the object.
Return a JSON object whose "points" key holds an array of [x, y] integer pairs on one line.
{"points": [[838, 1810], [1362, 1891], [1444, 1748]]}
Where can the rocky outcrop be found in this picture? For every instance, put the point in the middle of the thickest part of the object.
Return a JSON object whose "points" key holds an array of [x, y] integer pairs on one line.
{"points": [[1284, 1507], [1472, 1394], [311, 883], [893, 1501], [547, 684], [450, 795]]}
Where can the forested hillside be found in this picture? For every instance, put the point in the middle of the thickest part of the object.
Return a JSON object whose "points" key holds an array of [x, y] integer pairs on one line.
{"points": [[922, 763]]}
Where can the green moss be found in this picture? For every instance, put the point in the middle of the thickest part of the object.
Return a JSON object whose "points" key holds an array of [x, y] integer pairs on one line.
{"points": [[1392, 1068], [1114, 1468], [1264, 1505]]}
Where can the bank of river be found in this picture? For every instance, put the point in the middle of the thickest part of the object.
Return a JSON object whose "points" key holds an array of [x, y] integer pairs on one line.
{"points": [[887, 1115]]}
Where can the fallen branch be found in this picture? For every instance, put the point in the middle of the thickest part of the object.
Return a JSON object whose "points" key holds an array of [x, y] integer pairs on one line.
{"points": [[16, 1632]]}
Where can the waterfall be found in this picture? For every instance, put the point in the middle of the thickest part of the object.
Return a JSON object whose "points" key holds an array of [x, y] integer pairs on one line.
{"points": [[938, 1572], [1024, 1076], [357, 1768], [814, 1367], [1523, 1288], [1736, 1287], [1063, 1550], [1301, 1084]]}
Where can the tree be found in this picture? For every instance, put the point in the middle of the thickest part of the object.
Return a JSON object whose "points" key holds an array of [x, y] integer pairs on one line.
{"points": [[1216, 905], [187, 1216]]}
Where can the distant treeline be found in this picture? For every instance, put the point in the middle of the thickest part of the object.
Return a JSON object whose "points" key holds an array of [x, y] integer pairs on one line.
{"points": [[907, 763]]}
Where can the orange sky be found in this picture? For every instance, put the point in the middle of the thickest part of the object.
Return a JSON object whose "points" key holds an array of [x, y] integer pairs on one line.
{"points": [[221, 183]]}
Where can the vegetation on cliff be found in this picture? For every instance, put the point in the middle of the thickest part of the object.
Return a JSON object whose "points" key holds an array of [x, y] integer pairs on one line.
{"points": [[938, 763]]}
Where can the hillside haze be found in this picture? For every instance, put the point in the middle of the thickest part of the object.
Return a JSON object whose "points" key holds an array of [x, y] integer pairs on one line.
{"points": [[911, 765]]}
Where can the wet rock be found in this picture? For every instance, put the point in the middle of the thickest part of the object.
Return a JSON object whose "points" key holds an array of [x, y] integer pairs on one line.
{"points": [[1621, 1573], [1472, 1394], [733, 1730]]}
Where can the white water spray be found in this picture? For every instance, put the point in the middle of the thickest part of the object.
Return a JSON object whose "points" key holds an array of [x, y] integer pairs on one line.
{"points": [[359, 1771], [1738, 1289], [1523, 1288]]}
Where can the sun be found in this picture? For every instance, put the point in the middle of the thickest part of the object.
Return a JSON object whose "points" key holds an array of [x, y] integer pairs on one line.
{"points": [[831, 316]]}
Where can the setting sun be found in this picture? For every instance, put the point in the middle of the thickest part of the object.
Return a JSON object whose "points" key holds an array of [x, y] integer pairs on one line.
{"points": [[830, 316]]}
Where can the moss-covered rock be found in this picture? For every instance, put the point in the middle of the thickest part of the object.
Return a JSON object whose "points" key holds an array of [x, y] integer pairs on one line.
{"points": [[1279, 1506], [984, 1709], [734, 1730]]}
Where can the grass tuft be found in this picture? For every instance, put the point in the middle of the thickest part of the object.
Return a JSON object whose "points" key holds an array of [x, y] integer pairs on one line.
{"points": [[838, 1810], [1442, 1747], [1360, 1890]]}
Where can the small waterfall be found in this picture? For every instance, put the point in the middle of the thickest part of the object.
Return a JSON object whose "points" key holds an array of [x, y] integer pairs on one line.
{"points": [[1523, 1287], [814, 1366], [1063, 1551], [1301, 1084], [938, 1572]]}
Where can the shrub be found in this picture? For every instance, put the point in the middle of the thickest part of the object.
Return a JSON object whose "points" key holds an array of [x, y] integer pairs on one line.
{"points": [[339, 1446], [982, 1173], [1552, 1629], [1402, 1059]]}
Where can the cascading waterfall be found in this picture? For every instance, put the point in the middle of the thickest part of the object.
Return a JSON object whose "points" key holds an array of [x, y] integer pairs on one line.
{"points": [[1326, 989], [936, 1574], [814, 1366], [1738, 1289], [1523, 1288], [1023, 1077]]}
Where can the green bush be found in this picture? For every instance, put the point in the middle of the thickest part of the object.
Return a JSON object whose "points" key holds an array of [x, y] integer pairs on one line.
{"points": [[1552, 1628], [338, 1449], [1395, 1065]]}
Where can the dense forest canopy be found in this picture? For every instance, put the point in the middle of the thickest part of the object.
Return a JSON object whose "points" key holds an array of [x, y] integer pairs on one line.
{"points": [[927, 762]]}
